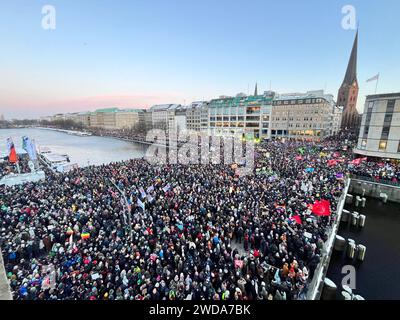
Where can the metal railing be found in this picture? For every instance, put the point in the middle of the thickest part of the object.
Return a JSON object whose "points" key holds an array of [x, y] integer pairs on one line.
{"points": [[374, 180], [5, 291], [314, 289]]}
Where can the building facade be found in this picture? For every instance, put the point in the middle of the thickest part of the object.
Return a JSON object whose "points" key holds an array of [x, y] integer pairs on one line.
{"points": [[107, 118], [312, 115], [348, 93], [379, 134], [246, 116], [160, 116], [194, 114]]}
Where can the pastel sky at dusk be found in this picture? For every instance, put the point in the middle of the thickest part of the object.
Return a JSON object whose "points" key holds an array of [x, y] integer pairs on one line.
{"points": [[139, 53]]}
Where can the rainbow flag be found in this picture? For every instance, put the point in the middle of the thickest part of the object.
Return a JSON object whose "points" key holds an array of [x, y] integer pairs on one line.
{"points": [[85, 235]]}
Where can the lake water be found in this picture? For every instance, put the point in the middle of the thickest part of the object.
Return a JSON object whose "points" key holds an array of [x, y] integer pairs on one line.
{"points": [[377, 276], [82, 150]]}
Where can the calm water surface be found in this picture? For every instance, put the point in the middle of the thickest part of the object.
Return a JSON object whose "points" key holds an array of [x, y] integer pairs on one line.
{"points": [[82, 150]]}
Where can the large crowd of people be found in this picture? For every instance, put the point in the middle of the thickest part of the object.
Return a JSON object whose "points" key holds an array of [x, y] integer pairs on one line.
{"points": [[378, 171], [139, 231], [7, 168]]}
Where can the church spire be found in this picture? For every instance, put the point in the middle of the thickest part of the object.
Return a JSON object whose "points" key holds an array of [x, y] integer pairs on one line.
{"points": [[255, 90], [351, 72]]}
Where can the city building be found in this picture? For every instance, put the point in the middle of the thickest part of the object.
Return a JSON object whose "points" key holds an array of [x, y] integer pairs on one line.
{"points": [[2, 117], [379, 134], [107, 118], [148, 120], [83, 118], [246, 116], [159, 116], [311, 115], [168, 116], [177, 118], [194, 114], [348, 93]]}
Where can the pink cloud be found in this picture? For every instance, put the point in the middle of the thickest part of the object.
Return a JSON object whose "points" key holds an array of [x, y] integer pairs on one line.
{"points": [[29, 105]]}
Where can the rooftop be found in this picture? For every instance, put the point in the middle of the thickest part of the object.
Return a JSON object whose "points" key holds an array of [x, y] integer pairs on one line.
{"points": [[308, 95], [383, 96]]}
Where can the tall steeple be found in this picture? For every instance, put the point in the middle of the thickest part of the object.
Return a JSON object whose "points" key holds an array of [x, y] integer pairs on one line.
{"points": [[255, 90], [348, 92], [351, 72]]}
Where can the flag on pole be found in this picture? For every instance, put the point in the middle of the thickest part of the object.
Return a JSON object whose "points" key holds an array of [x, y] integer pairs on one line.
{"points": [[358, 161], [10, 143], [296, 219], [332, 162], [374, 78], [149, 198], [85, 235], [321, 208], [142, 193], [12, 156], [29, 147], [340, 176], [140, 204]]}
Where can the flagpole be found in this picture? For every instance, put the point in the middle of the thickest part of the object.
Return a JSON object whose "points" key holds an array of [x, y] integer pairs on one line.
{"points": [[376, 85]]}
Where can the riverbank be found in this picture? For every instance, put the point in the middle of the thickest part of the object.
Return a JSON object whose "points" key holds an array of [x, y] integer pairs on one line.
{"points": [[73, 132]]}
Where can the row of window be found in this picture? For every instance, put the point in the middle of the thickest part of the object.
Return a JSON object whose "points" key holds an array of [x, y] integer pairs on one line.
{"points": [[381, 146], [294, 119], [239, 118], [238, 124], [299, 125], [297, 101], [300, 112]]}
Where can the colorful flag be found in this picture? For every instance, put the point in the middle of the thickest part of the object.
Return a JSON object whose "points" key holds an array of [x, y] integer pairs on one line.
{"points": [[321, 208], [150, 189], [149, 198], [140, 204], [280, 207], [10, 143], [142, 193], [301, 150], [29, 146], [339, 175], [332, 162], [299, 158], [85, 235], [310, 170], [12, 157], [129, 200], [167, 187], [296, 219], [358, 161]]}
